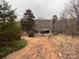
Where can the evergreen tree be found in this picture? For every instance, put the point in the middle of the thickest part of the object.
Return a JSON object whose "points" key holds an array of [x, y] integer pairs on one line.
{"points": [[53, 22], [27, 21], [9, 30]]}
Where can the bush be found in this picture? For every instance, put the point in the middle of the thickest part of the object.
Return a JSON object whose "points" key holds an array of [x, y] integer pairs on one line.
{"points": [[31, 34], [9, 29], [11, 33]]}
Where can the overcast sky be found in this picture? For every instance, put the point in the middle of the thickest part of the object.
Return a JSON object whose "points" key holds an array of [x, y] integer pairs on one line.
{"points": [[40, 8]]}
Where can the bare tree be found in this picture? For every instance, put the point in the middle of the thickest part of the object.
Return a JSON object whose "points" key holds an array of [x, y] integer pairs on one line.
{"points": [[64, 17], [73, 11]]}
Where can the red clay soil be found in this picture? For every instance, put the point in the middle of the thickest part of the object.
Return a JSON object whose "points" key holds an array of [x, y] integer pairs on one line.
{"points": [[37, 48]]}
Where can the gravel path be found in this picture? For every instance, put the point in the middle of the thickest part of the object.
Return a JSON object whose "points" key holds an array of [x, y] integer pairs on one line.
{"points": [[37, 48]]}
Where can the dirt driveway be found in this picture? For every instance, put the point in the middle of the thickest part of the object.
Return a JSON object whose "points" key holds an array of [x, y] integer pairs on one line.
{"points": [[37, 48]]}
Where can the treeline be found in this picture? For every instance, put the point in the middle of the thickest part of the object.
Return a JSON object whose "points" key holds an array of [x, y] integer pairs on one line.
{"points": [[69, 21]]}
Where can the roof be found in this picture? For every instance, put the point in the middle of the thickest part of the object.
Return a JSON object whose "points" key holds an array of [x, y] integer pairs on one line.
{"points": [[43, 24]]}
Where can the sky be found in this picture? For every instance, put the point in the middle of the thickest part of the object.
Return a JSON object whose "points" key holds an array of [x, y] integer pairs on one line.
{"points": [[40, 8]]}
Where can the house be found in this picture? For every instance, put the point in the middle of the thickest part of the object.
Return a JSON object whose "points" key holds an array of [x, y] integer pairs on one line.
{"points": [[43, 25], [46, 24]]}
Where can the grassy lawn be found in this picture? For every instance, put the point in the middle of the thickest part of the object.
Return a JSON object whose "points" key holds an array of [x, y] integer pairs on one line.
{"points": [[14, 46]]}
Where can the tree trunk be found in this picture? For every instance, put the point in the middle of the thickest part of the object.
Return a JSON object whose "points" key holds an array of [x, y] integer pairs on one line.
{"points": [[78, 23]]}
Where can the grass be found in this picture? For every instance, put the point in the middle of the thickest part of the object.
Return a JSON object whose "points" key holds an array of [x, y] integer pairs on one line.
{"points": [[67, 46], [62, 39], [17, 45]]}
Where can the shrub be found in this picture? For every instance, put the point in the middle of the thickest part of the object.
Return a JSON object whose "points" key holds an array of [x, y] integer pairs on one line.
{"points": [[31, 34], [9, 30]]}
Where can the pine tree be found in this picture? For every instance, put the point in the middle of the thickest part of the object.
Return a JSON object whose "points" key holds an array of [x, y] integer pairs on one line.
{"points": [[27, 21], [9, 31]]}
